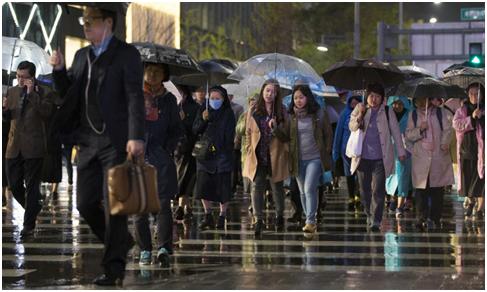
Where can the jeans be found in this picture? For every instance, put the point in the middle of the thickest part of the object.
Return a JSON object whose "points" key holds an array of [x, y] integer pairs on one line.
{"points": [[258, 190], [372, 182], [308, 180]]}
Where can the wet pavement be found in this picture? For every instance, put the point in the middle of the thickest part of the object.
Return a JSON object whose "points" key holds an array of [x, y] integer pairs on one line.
{"points": [[64, 254]]}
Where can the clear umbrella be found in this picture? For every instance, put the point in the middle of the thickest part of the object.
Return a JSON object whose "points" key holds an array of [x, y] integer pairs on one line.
{"points": [[284, 68], [15, 50]]}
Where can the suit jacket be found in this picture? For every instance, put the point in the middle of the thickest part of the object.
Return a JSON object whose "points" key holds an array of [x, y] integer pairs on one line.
{"points": [[119, 90], [27, 135]]}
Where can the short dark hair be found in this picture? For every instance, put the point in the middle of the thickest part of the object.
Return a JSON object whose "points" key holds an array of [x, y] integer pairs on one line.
{"points": [[312, 105], [26, 65], [375, 88], [109, 14], [165, 68]]}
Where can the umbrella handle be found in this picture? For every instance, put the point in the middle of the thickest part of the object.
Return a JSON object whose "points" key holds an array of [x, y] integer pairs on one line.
{"points": [[478, 98]]}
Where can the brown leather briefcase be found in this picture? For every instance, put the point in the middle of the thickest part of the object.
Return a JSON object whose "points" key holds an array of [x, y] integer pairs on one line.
{"points": [[132, 188]]}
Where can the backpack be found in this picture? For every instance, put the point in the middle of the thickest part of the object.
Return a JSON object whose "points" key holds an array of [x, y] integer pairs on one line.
{"points": [[439, 115]]}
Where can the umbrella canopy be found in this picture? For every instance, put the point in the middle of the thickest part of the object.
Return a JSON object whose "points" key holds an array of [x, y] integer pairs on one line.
{"points": [[178, 61], [286, 69], [463, 65], [465, 76], [357, 73], [319, 88], [430, 88], [15, 50], [413, 71], [229, 63], [214, 74]]}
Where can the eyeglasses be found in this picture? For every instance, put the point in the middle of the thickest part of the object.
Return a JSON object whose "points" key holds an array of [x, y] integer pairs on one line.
{"points": [[88, 19]]}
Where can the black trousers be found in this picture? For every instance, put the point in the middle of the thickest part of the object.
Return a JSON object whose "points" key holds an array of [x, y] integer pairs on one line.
{"points": [[429, 203], [96, 156], [20, 170], [67, 153]]}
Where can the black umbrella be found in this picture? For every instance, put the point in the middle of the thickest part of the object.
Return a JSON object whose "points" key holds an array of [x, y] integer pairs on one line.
{"points": [[214, 74], [178, 61], [465, 76], [412, 72], [430, 88], [229, 63], [357, 73]]}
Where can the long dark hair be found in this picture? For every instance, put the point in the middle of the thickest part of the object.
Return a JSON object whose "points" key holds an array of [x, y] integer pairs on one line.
{"points": [[311, 105], [278, 107]]}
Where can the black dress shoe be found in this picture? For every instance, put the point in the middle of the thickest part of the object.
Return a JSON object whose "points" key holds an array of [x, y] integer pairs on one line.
{"points": [[105, 280], [27, 232], [259, 225], [279, 223]]}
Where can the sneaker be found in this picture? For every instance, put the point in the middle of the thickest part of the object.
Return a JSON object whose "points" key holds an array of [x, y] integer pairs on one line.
{"points": [[221, 223], [309, 228], [163, 258], [145, 258], [179, 213]]}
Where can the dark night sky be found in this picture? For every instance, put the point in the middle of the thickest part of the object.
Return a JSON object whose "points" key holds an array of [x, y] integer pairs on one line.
{"points": [[444, 12]]}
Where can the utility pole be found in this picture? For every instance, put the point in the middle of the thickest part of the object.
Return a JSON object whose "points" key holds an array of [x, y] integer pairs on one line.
{"points": [[401, 16], [356, 32]]}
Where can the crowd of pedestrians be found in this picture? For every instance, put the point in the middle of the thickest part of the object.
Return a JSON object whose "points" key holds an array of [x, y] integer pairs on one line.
{"points": [[204, 146]]}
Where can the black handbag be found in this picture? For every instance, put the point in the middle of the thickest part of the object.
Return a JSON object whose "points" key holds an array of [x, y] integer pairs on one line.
{"points": [[203, 148]]}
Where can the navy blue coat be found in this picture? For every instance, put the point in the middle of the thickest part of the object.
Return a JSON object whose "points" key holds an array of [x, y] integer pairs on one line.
{"points": [[162, 136]]}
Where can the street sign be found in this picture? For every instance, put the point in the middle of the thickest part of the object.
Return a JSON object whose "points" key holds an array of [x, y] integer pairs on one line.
{"points": [[469, 14]]}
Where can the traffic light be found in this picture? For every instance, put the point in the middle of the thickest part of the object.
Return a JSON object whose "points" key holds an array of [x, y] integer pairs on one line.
{"points": [[476, 58]]}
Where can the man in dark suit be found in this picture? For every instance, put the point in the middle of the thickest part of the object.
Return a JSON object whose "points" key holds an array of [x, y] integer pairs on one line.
{"points": [[28, 107], [103, 95]]}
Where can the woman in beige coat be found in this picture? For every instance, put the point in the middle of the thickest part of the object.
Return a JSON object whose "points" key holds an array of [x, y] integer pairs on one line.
{"points": [[431, 162], [377, 159], [266, 155]]}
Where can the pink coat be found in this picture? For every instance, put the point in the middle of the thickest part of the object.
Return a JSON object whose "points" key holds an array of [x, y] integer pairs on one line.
{"points": [[463, 123]]}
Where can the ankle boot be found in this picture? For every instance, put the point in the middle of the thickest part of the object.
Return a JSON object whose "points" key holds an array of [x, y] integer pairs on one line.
{"points": [[259, 225], [207, 222]]}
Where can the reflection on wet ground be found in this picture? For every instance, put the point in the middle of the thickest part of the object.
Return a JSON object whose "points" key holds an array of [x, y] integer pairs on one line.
{"points": [[64, 254]]}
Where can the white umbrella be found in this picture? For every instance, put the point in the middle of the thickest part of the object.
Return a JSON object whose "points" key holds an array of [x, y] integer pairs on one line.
{"points": [[15, 50]]}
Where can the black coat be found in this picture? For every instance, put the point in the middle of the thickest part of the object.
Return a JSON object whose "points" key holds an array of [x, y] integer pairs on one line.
{"points": [[188, 139], [220, 128], [119, 90]]}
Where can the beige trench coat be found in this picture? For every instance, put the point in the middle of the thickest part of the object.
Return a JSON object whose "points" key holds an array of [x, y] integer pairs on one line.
{"points": [[279, 152], [387, 130], [437, 164]]}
